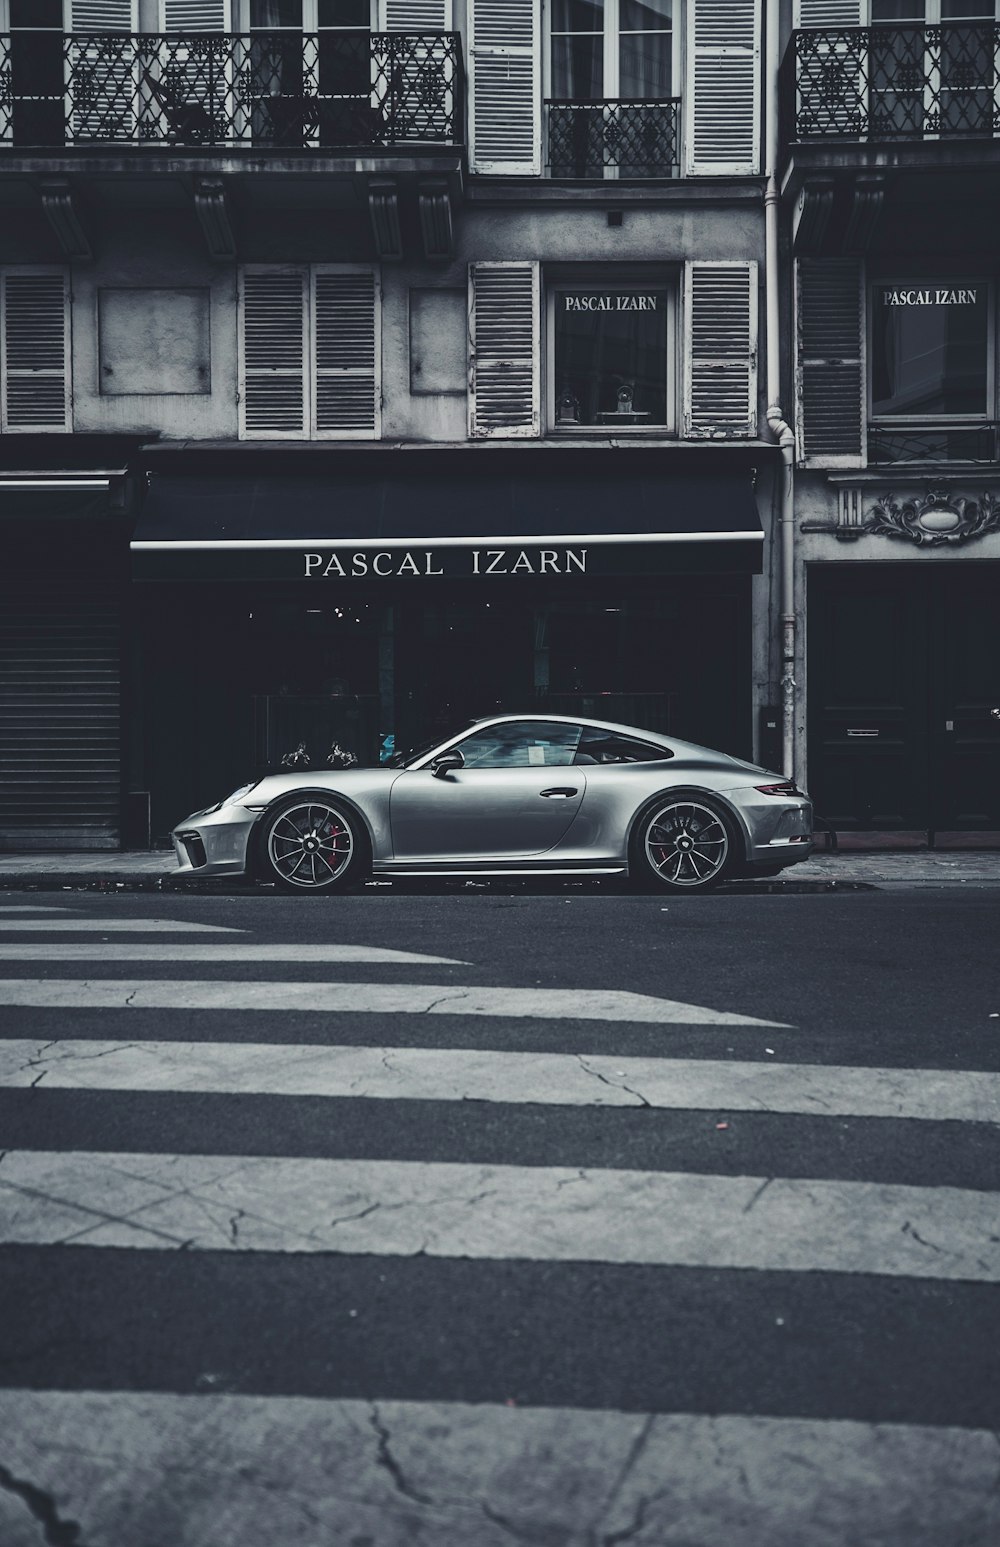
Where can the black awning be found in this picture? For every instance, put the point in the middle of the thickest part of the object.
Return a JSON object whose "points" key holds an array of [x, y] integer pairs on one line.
{"points": [[399, 513]]}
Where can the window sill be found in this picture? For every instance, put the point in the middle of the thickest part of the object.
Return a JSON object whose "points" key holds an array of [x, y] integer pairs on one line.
{"points": [[612, 432]]}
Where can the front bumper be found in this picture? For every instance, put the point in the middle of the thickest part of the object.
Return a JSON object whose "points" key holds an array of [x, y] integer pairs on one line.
{"points": [[215, 843]]}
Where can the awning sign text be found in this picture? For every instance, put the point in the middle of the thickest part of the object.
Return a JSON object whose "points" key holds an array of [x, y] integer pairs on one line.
{"points": [[387, 563]]}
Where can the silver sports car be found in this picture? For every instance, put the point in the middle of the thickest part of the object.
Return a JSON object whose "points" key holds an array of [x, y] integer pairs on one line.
{"points": [[511, 795]]}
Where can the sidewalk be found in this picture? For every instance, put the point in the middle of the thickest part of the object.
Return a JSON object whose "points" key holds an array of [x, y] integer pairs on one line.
{"points": [[157, 870]]}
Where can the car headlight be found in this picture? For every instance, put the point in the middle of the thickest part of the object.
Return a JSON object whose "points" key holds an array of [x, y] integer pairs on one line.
{"points": [[244, 789]]}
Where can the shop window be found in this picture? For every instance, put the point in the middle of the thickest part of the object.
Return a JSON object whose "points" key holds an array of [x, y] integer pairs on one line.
{"points": [[612, 355], [930, 364]]}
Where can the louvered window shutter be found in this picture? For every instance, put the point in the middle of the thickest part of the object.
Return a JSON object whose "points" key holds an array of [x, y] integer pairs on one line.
{"points": [[347, 343], [274, 375], [414, 16], [830, 13], [195, 15], [722, 93], [103, 77], [102, 15], [503, 350], [720, 350], [34, 360], [830, 362], [505, 87]]}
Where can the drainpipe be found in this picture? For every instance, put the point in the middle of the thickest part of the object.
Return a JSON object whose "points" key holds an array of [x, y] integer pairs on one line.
{"points": [[780, 428]]}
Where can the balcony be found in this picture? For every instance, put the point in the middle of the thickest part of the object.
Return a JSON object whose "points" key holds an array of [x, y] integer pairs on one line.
{"points": [[892, 83], [284, 91], [613, 139]]}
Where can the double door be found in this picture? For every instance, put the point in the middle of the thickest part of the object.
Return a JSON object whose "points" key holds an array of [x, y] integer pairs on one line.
{"points": [[903, 679]]}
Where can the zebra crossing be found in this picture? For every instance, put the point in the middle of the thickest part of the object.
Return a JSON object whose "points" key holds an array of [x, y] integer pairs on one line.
{"points": [[361, 1289]]}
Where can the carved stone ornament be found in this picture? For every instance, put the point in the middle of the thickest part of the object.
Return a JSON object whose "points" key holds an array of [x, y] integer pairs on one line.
{"points": [[936, 518]]}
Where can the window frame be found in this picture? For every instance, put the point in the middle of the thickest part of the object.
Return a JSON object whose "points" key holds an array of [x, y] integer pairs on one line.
{"points": [[557, 282], [610, 67], [930, 421], [611, 64]]}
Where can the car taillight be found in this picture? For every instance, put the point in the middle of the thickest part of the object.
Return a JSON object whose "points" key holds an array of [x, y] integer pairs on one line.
{"points": [[786, 788]]}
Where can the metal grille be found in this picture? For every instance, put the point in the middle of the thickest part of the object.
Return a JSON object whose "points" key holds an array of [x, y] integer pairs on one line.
{"points": [[286, 89], [638, 139], [972, 443], [899, 82]]}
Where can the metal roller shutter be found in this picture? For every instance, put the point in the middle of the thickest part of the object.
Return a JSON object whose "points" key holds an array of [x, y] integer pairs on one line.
{"points": [[60, 709]]}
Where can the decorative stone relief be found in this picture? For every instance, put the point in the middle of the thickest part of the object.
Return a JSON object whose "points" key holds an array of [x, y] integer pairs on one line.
{"points": [[930, 520], [936, 518]]}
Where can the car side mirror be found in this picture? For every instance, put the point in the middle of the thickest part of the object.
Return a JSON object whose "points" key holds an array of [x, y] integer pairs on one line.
{"points": [[442, 766]]}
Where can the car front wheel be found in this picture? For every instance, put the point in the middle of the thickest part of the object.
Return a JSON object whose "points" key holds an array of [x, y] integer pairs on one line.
{"points": [[310, 845], [684, 844]]}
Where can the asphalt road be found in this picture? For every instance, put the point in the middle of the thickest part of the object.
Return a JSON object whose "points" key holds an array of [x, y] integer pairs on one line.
{"points": [[592, 1218]]}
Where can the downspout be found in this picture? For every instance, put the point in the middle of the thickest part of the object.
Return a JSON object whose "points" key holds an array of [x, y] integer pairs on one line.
{"points": [[780, 428]]}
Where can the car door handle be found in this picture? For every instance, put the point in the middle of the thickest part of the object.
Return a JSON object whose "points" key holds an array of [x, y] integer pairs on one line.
{"points": [[561, 792]]}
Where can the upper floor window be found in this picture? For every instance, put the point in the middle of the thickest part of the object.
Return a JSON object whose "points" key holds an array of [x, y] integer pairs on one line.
{"points": [[617, 49], [611, 81]]}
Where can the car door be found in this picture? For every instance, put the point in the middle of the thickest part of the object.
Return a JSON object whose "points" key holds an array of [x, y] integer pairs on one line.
{"points": [[515, 796]]}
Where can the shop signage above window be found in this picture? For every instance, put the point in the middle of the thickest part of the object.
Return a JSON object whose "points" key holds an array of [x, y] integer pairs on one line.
{"points": [[610, 301], [936, 296], [455, 562]]}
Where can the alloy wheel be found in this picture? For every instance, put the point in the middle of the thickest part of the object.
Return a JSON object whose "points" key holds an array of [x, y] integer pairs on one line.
{"points": [[310, 845], [686, 844]]}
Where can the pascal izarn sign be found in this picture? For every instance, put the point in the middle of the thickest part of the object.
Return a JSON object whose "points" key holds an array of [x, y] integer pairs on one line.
{"points": [[384, 564]]}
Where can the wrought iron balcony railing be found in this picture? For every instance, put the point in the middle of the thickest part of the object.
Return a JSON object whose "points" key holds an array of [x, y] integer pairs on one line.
{"points": [[607, 139], [288, 90], [962, 443], [897, 82]]}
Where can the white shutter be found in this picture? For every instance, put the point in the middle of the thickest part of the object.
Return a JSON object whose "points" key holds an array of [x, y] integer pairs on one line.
{"points": [[103, 77], [504, 350], [34, 360], [273, 379], [347, 354], [414, 16], [195, 16], [505, 87], [102, 15], [722, 92], [720, 350], [830, 13], [830, 362]]}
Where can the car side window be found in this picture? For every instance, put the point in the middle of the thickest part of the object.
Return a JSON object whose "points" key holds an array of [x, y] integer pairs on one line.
{"points": [[600, 746], [521, 744]]}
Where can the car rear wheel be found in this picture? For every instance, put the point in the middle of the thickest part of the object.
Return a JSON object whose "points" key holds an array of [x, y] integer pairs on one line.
{"points": [[684, 844], [310, 845]]}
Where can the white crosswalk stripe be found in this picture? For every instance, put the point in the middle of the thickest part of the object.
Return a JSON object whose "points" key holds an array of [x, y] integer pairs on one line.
{"points": [[717, 1479], [214, 955], [591, 1004], [106, 926], [469, 1074], [398, 1208], [476, 1472]]}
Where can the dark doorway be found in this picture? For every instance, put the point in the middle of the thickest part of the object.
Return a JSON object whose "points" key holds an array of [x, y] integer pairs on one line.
{"points": [[904, 673]]}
